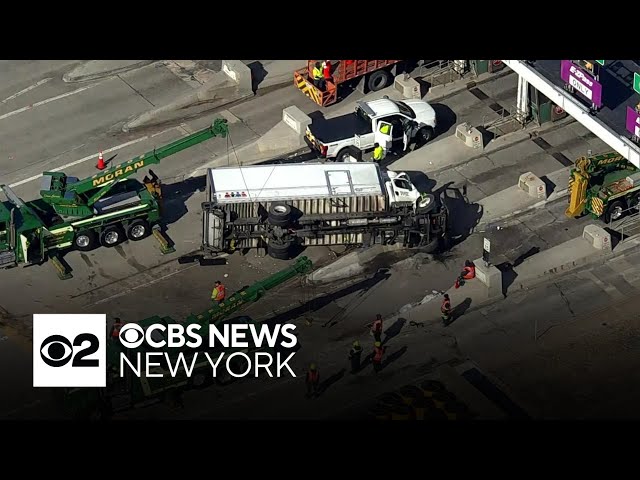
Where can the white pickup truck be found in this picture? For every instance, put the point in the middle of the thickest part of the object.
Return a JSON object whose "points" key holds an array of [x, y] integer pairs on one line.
{"points": [[346, 137]]}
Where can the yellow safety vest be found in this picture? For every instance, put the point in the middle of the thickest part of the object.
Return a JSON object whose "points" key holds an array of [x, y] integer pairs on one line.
{"points": [[317, 74], [378, 153], [384, 129]]}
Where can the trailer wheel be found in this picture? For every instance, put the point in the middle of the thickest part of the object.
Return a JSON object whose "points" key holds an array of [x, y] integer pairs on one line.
{"points": [[85, 240], [111, 236], [279, 214], [137, 230], [615, 211], [379, 80], [279, 251], [424, 136]]}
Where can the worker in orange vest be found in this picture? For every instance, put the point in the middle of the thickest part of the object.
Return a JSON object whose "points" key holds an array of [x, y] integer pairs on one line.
{"points": [[376, 328], [468, 273], [115, 329], [445, 309], [378, 352], [326, 69], [218, 294], [312, 380]]}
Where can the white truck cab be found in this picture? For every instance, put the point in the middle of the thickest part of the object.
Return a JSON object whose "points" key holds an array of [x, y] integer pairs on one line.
{"points": [[400, 189]]}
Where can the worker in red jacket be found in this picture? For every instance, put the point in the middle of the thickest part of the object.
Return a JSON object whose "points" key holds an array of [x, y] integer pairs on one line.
{"points": [[219, 292], [445, 310], [378, 352], [312, 380], [326, 69], [468, 273], [376, 328], [115, 329]]}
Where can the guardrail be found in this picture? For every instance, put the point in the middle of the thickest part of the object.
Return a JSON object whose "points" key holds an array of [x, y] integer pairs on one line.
{"points": [[629, 222]]}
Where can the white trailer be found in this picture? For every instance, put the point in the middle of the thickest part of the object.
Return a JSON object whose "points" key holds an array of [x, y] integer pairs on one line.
{"points": [[309, 204]]}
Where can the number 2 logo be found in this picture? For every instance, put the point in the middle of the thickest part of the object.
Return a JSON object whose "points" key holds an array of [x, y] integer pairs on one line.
{"points": [[57, 351]]}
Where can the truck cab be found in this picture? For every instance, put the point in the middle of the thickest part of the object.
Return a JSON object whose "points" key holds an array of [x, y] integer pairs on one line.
{"points": [[21, 232], [400, 189]]}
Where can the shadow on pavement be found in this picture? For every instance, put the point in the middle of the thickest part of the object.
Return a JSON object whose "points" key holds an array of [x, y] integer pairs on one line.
{"points": [[393, 357], [464, 216], [446, 119], [509, 275], [258, 74], [460, 309], [324, 385], [175, 196], [394, 329], [421, 181]]}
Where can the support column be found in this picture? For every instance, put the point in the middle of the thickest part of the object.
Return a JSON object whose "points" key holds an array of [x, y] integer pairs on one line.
{"points": [[523, 99]]}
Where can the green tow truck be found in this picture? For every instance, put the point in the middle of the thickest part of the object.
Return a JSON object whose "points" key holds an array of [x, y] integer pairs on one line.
{"points": [[101, 210], [131, 391]]}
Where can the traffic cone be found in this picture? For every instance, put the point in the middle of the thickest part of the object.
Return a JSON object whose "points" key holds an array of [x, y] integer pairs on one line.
{"points": [[101, 165]]}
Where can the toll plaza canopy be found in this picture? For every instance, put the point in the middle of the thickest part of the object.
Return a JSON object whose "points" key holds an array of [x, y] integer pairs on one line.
{"points": [[613, 96]]}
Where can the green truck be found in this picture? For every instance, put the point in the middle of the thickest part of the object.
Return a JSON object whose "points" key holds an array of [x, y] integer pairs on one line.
{"points": [[131, 391], [102, 210], [606, 185]]}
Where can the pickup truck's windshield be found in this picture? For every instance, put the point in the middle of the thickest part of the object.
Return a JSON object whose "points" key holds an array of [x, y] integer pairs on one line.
{"points": [[405, 109], [363, 116]]}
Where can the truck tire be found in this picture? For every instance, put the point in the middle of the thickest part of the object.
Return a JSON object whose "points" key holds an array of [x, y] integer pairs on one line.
{"points": [[426, 204], [615, 211], [85, 240], [111, 236], [345, 153], [279, 214], [279, 251], [378, 80], [137, 230], [424, 136]]}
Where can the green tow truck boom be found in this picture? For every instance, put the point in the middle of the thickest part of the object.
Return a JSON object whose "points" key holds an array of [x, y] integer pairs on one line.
{"points": [[130, 391], [101, 210]]}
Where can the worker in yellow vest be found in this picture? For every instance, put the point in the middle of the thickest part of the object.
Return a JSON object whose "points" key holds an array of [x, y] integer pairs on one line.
{"points": [[318, 76], [378, 153]]}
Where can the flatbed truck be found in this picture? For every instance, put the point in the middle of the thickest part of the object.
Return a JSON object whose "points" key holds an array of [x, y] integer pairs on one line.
{"points": [[102, 210]]}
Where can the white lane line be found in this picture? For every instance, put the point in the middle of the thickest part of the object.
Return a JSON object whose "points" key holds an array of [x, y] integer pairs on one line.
{"points": [[89, 157], [48, 100], [28, 89]]}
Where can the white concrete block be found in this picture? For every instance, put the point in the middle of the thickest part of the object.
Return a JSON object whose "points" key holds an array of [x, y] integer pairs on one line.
{"points": [[490, 276], [533, 186], [407, 86], [470, 135], [237, 71], [296, 119], [597, 237]]}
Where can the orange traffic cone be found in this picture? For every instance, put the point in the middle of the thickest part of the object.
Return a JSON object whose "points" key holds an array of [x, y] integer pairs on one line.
{"points": [[101, 165]]}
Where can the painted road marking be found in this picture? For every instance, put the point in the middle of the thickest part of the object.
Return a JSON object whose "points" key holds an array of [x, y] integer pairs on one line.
{"points": [[48, 100], [89, 157], [28, 89]]}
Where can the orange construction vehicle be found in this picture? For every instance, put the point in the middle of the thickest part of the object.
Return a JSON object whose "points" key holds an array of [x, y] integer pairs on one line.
{"points": [[374, 75]]}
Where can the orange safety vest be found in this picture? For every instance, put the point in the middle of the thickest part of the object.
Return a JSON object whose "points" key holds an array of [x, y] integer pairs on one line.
{"points": [[377, 326], [469, 273], [446, 306], [377, 354], [116, 330], [313, 376], [220, 294]]}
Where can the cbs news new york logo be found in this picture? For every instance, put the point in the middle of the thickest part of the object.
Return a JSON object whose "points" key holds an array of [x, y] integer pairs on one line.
{"points": [[69, 350]]}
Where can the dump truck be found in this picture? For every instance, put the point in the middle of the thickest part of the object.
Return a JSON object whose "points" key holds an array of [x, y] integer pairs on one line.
{"points": [[607, 186], [102, 210], [372, 75], [131, 391], [283, 207], [348, 137]]}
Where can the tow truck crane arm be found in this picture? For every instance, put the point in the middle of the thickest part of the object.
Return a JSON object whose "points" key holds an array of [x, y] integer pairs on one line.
{"points": [[60, 189], [585, 168]]}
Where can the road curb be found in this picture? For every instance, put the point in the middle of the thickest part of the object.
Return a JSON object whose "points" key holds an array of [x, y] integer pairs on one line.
{"points": [[69, 77]]}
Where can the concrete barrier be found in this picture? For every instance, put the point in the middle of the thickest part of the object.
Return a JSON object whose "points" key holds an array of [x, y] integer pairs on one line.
{"points": [[407, 86], [532, 186], [490, 276], [287, 135], [597, 237], [237, 71], [296, 119], [470, 135]]}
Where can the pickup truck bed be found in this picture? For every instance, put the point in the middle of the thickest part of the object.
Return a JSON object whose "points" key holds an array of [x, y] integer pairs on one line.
{"points": [[338, 128]]}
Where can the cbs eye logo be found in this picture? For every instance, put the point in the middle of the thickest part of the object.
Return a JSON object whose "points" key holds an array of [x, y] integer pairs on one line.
{"points": [[131, 335], [57, 351]]}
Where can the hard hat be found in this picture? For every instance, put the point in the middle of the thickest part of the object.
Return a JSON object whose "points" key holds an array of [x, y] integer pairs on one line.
{"points": [[312, 366], [356, 343], [378, 344]]}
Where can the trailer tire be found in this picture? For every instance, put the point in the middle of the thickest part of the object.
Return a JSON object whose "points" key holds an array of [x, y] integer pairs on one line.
{"points": [[111, 236], [424, 136], [137, 230], [279, 251], [614, 209], [345, 153], [378, 80], [279, 214], [85, 240]]}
